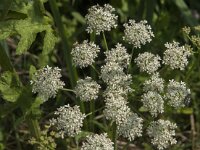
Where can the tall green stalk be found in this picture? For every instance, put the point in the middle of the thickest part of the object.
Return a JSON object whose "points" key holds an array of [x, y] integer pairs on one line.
{"points": [[105, 42]]}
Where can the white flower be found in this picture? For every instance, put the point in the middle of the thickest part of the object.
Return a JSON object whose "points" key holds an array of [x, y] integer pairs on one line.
{"points": [[101, 19], [148, 62], [84, 54], [87, 89], [177, 93], [46, 82], [155, 83], [98, 142], [116, 109], [153, 102], [69, 120], [176, 56], [130, 127], [118, 55], [137, 33], [162, 133]]}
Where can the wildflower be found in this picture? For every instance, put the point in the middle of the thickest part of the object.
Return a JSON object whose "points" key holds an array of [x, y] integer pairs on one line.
{"points": [[131, 127], [153, 102], [177, 93], [116, 109], [101, 19], [69, 120], [137, 34], [87, 89], [155, 83], [97, 142], [118, 55], [46, 82], [162, 132], [84, 54], [148, 62], [176, 56]]}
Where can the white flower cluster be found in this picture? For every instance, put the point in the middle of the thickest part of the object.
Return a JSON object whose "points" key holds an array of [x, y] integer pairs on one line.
{"points": [[137, 34], [101, 19], [97, 142], [153, 102], [131, 127], [84, 54], [162, 132], [155, 83], [69, 120], [46, 82], [176, 56], [177, 93], [87, 89], [148, 62], [118, 55]]}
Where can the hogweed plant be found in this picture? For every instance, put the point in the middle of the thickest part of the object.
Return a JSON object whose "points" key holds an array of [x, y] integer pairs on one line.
{"points": [[110, 93], [124, 121]]}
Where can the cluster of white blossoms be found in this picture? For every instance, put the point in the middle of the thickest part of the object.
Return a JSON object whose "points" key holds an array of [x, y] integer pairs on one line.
{"points": [[101, 19], [46, 82], [148, 62], [97, 142], [177, 93], [69, 120], [118, 55], [87, 89], [131, 127], [153, 102], [176, 56], [84, 54], [137, 34], [162, 133], [155, 83]]}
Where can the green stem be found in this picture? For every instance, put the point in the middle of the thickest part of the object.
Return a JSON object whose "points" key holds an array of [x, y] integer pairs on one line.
{"points": [[34, 128], [114, 135], [66, 50], [105, 42], [129, 66], [69, 90]]}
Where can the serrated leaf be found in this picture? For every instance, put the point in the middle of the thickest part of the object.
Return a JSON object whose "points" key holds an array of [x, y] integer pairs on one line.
{"points": [[9, 87]]}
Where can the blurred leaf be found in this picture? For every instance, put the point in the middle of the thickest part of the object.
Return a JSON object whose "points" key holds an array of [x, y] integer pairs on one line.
{"points": [[78, 17], [82, 135], [32, 70], [9, 86], [186, 111]]}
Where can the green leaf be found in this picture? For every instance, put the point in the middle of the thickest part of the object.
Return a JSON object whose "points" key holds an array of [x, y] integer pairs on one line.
{"points": [[32, 70], [10, 87]]}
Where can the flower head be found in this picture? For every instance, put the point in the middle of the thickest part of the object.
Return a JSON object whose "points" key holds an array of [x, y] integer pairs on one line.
{"points": [[69, 120], [101, 19], [176, 56], [46, 82], [153, 102], [118, 55], [155, 83], [162, 132], [84, 54], [131, 127], [148, 62], [137, 33], [87, 89], [97, 142], [177, 93]]}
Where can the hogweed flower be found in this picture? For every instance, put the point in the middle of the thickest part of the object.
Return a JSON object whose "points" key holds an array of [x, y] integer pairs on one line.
{"points": [[153, 102], [176, 56], [131, 127], [97, 142], [118, 55], [137, 34], [148, 62], [69, 120], [116, 109], [177, 94], [84, 54], [101, 19], [162, 133], [87, 89], [46, 82], [155, 83]]}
